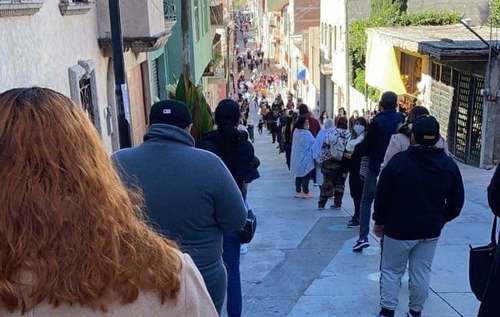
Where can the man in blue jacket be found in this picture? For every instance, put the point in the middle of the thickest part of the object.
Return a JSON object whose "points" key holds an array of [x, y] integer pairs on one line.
{"points": [[189, 193], [411, 209], [377, 139]]}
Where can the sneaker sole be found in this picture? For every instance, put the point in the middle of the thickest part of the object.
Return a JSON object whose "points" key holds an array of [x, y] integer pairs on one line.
{"points": [[361, 247]]}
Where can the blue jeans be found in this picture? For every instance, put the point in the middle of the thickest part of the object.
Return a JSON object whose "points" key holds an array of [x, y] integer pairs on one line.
{"points": [[367, 198], [231, 257]]}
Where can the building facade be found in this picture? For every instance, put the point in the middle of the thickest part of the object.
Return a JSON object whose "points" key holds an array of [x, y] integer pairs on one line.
{"points": [[444, 68], [66, 45]]}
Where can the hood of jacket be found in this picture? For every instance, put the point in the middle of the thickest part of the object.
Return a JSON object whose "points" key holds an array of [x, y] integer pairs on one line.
{"points": [[168, 133], [431, 159]]}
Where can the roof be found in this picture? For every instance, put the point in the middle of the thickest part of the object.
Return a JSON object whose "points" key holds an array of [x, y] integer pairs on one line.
{"points": [[450, 42]]}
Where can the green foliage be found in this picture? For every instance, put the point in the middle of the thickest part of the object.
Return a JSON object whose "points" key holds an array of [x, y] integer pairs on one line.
{"points": [[192, 95], [428, 18], [495, 13], [386, 11], [360, 85], [389, 13]]}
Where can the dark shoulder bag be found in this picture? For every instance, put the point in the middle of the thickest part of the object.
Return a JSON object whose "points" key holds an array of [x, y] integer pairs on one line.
{"points": [[480, 263], [248, 231]]}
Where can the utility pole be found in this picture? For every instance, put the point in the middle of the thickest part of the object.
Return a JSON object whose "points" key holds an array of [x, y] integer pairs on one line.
{"points": [[491, 110], [121, 91], [185, 24], [347, 62]]}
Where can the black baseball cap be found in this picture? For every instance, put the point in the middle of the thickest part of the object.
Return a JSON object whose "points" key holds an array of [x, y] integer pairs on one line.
{"points": [[426, 130], [170, 112]]}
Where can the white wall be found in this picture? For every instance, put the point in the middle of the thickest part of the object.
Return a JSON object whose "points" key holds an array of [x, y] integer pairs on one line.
{"points": [[38, 50]]}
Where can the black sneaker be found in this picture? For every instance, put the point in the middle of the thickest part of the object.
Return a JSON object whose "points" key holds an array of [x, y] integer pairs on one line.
{"points": [[353, 223], [361, 245]]}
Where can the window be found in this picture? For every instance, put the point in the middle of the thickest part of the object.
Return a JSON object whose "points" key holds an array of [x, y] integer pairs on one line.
{"points": [[330, 42], [155, 78], [335, 38], [196, 13], [411, 72], [75, 7], [83, 87], [10, 8], [87, 101]]}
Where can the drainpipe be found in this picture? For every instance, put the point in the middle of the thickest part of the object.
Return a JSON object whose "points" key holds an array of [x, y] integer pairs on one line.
{"points": [[347, 62], [121, 91]]}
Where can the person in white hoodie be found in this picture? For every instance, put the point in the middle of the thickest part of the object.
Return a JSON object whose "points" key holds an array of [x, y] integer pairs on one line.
{"points": [[401, 141]]}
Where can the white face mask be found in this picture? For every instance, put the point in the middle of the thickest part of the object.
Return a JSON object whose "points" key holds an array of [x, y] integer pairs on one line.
{"points": [[359, 129]]}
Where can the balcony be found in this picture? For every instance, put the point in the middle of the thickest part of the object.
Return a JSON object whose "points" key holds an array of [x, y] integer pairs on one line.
{"points": [[216, 13], [14, 8], [170, 13], [146, 24]]}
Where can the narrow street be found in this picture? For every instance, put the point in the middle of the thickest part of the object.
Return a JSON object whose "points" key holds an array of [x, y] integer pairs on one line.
{"points": [[301, 264]]}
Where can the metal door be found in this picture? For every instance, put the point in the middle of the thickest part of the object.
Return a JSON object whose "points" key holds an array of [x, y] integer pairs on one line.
{"points": [[467, 117]]}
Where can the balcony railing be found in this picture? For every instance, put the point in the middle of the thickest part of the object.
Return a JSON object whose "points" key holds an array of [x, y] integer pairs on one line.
{"points": [[170, 10]]}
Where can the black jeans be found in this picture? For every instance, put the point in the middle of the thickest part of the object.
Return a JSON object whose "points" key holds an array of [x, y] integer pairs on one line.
{"points": [[302, 184], [356, 186]]}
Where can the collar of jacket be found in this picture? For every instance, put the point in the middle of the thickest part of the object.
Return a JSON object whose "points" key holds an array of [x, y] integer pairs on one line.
{"points": [[168, 133], [421, 149]]}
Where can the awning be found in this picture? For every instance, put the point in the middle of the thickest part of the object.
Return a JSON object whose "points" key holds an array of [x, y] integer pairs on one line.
{"points": [[382, 66]]}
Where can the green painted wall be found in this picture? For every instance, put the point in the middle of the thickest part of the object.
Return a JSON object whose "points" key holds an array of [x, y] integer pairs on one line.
{"points": [[202, 45], [201, 48], [173, 49]]}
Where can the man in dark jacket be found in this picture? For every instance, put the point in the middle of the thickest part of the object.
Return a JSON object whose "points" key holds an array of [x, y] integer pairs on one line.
{"points": [[377, 139], [411, 209], [490, 307], [189, 193]]}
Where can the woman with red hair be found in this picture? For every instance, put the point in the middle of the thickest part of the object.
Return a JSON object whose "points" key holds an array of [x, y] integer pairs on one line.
{"points": [[73, 240]]}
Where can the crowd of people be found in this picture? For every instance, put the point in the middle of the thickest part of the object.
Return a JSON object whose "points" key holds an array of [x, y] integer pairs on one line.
{"points": [[383, 155], [134, 234]]}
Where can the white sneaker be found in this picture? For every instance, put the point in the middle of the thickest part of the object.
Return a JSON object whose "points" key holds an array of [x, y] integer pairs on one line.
{"points": [[243, 249]]}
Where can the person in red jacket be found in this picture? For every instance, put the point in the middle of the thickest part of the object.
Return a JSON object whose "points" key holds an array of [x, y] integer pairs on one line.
{"points": [[314, 125]]}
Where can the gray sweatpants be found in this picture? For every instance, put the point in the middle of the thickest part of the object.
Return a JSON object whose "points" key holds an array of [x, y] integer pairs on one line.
{"points": [[395, 256]]}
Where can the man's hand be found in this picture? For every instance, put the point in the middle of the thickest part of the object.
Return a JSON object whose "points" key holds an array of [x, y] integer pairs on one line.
{"points": [[378, 230]]}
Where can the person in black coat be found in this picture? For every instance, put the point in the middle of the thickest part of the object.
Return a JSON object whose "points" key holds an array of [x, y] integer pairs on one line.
{"points": [[236, 151], [411, 223], [490, 307]]}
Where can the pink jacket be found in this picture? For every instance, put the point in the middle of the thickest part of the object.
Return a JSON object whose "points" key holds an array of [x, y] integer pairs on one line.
{"points": [[193, 301]]}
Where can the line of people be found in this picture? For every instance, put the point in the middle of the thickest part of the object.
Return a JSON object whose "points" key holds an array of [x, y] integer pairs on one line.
{"points": [[384, 158], [136, 234]]}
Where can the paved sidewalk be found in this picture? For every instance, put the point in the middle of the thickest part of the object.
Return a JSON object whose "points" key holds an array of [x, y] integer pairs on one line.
{"points": [[301, 264]]}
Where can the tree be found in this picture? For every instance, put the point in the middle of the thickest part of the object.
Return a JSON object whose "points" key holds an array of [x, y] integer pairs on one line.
{"points": [[495, 13]]}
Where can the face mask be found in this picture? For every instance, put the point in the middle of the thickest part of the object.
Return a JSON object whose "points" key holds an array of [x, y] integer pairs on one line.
{"points": [[359, 129]]}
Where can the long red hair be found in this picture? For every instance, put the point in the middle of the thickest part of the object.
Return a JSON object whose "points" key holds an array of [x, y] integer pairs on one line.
{"points": [[66, 220]]}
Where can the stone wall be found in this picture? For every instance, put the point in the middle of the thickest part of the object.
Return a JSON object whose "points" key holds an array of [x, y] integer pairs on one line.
{"points": [[477, 10]]}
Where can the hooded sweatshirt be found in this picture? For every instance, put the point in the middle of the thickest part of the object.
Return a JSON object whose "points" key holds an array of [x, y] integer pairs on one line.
{"points": [[409, 202], [190, 197]]}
